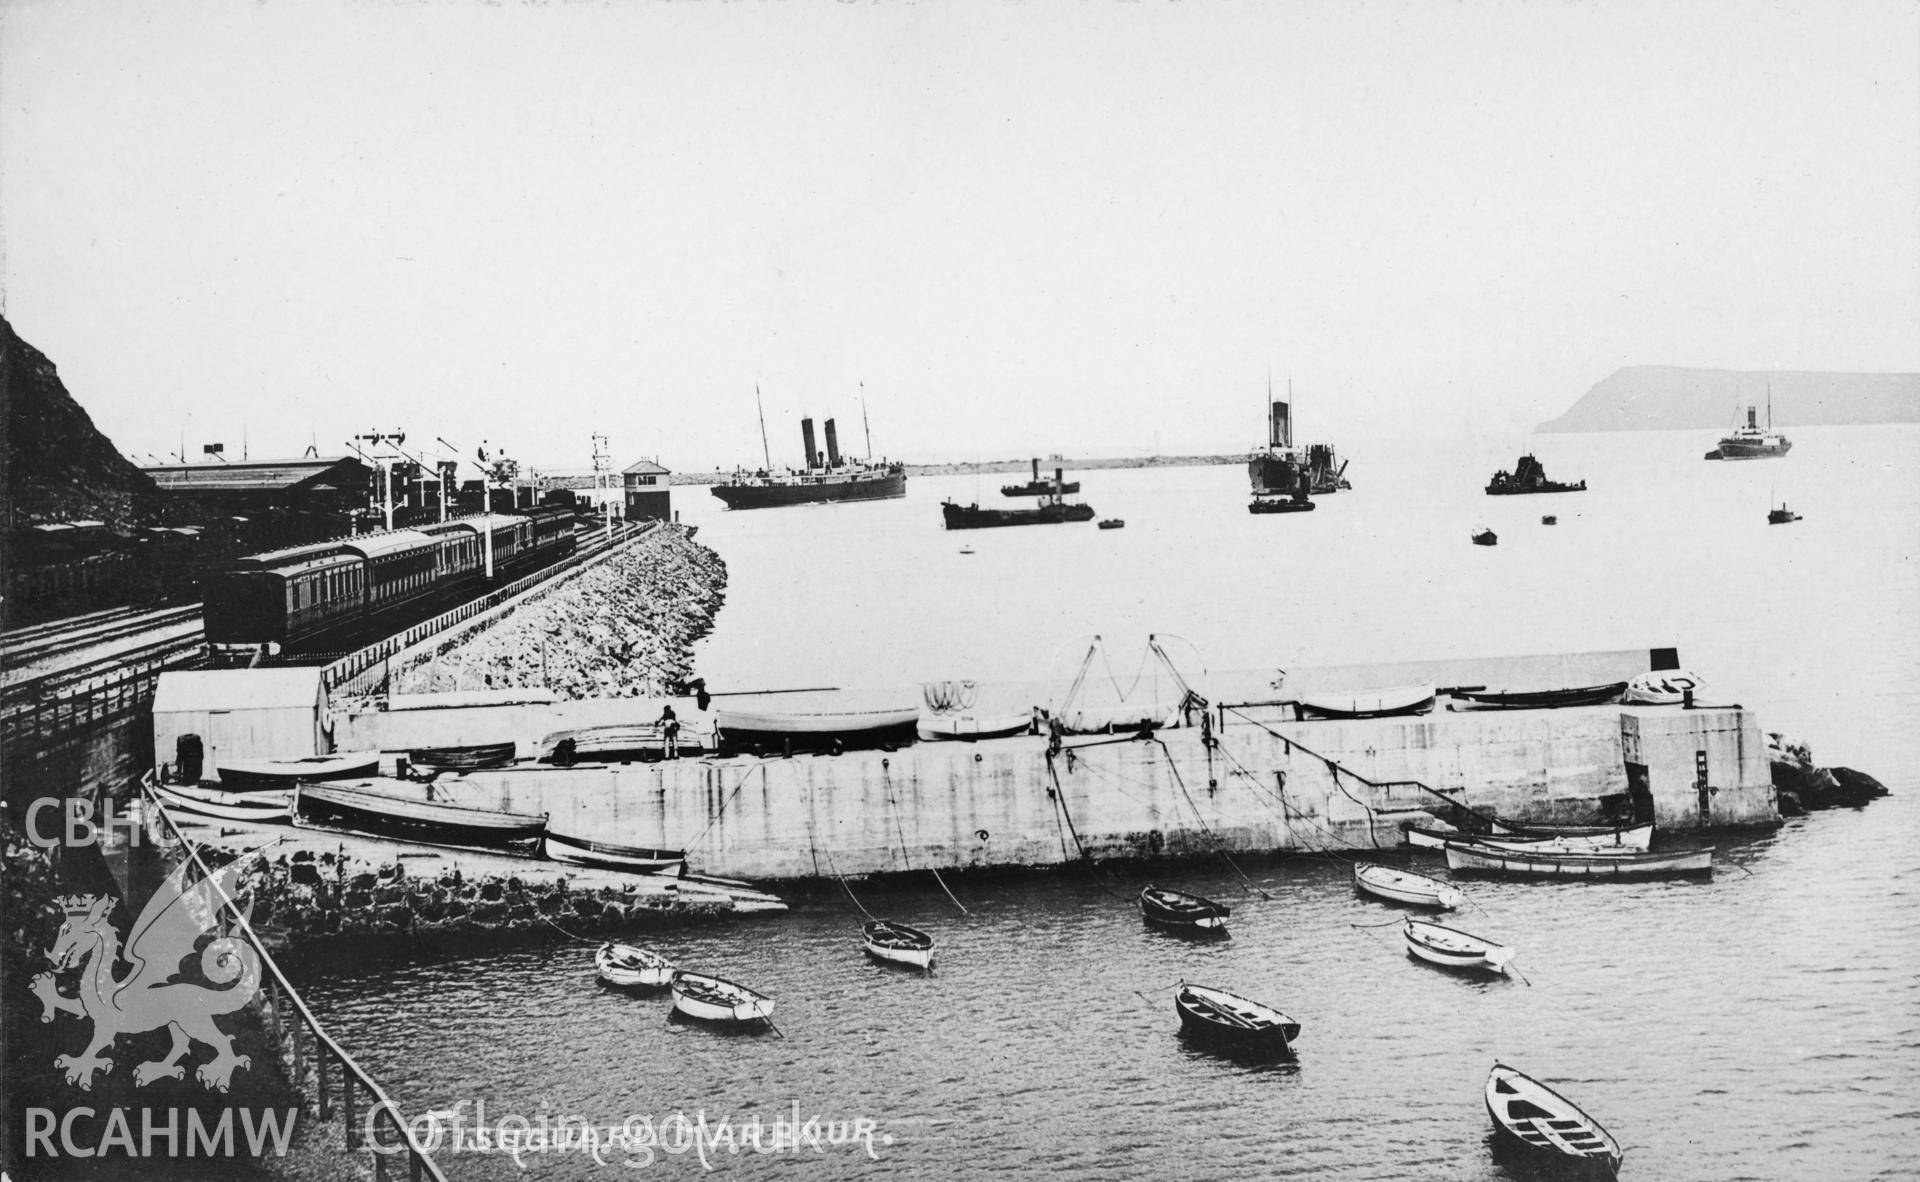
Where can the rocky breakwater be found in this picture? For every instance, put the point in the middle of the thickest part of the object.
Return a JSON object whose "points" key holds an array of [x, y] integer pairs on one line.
{"points": [[1802, 786], [624, 627], [322, 901]]}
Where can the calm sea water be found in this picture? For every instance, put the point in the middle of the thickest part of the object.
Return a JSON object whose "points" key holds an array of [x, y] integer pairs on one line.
{"points": [[1763, 1025]]}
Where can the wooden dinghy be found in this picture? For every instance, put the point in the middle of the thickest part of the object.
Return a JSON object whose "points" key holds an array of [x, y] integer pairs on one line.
{"points": [[897, 943], [1380, 703], [605, 855], [416, 819], [1633, 836], [819, 722], [468, 758], [969, 726], [1467, 857], [244, 775], [1554, 699], [1217, 1016], [1454, 949], [628, 967], [1404, 886], [269, 804], [1177, 909], [1533, 1117], [713, 999], [1628, 837]]}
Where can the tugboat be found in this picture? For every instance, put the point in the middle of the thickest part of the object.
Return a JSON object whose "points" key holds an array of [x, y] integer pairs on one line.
{"points": [[1041, 488], [1782, 515], [1528, 477], [827, 478], [1053, 509], [1285, 471], [1751, 442]]}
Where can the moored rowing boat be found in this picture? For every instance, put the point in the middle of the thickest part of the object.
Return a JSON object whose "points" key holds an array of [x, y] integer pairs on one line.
{"points": [[714, 999], [1404, 886], [1628, 837], [1533, 1116], [632, 968], [1219, 1016], [1468, 857], [1453, 948], [1178, 909], [883, 939]]}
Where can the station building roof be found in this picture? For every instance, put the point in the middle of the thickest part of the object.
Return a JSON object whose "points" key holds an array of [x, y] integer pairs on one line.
{"points": [[262, 475], [645, 468]]}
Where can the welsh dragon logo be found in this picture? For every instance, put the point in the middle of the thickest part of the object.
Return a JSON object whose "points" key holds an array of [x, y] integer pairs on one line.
{"points": [[160, 991]]}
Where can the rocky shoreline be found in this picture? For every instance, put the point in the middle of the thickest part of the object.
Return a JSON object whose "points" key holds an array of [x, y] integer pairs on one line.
{"points": [[322, 902], [622, 628]]}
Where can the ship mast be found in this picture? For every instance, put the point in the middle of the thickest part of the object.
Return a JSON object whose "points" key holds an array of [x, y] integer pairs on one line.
{"points": [[864, 426], [766, 454]]}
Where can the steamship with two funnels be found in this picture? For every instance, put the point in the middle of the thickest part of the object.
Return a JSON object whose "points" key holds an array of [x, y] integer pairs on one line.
{"points": [[831, 477]]}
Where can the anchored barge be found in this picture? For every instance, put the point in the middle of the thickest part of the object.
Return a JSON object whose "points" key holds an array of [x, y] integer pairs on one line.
{"points": [[1528, 476]]}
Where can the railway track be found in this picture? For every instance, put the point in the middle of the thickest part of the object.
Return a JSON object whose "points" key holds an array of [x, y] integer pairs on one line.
{"points": [[39, 646]]}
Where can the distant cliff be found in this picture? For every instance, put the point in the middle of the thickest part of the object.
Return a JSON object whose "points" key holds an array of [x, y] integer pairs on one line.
{"points": [[59, 467], [1665, 398]]}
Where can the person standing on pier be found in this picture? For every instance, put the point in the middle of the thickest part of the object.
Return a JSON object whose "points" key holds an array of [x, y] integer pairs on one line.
{"points": [[670, 731]]}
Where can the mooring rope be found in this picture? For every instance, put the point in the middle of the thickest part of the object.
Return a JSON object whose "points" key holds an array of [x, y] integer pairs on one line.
{"points": [[1202, 818], [886, 777], [843, 886]]}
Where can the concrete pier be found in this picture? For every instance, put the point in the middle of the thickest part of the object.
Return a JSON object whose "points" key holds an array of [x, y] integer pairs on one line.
{"points": [[1261, 786]]}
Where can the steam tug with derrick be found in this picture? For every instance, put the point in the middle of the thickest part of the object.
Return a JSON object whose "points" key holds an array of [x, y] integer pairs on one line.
{"points": [[832, 477], [1284, 476]]}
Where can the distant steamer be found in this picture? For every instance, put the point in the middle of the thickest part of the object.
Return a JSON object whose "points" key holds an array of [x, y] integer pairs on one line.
{"points": [[1284, 476], [1752, 442], [827, 478]]}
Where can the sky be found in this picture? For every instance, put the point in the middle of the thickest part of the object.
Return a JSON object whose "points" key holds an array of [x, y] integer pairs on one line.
{"points": [[1010, 228]]}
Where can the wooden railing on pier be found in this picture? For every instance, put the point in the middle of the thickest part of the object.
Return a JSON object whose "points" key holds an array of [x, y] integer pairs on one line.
{"points": [[362, 671], [309, 1043], [39, 711]]}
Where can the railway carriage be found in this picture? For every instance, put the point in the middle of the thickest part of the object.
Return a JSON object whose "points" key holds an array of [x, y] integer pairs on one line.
{"points": [[327, 594]]}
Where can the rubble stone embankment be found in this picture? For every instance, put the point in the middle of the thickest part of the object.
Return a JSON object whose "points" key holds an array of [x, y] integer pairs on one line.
{"points": [[624, 627]]}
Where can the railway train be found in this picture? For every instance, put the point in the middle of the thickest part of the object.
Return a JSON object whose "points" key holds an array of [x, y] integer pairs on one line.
{"points": [[334, 594]]}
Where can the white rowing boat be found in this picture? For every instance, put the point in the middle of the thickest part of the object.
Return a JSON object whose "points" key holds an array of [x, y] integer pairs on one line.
{"points": [[714, 999], [632, 968], [1452, 948], [265, 804], [1404, 886]]}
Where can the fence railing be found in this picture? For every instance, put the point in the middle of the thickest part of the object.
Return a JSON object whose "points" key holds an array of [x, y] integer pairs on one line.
{"points": [[359, 672], [308, 1043], [45, 709]]}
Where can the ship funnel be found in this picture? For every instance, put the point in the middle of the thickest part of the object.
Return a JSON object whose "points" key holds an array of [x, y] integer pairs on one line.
{"points": [[806, 436], [1059, 479], [833, 446], [1036, 469], [1751, 425], [1279, 427]]}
